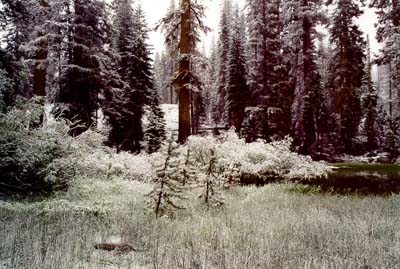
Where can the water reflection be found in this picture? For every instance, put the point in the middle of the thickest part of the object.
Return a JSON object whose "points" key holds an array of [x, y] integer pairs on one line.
{"points": [[362, 179]]}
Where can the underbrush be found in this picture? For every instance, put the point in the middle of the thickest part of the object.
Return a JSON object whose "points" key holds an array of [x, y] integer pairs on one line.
{"points": [[34, 158], [256, 162], [38, 157]]}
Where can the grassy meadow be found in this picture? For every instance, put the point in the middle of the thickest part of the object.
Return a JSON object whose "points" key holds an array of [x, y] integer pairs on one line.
{"points": [[275, 226]]}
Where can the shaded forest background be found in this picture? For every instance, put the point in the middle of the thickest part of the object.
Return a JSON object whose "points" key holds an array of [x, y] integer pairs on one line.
{"points": [[270, 74]]}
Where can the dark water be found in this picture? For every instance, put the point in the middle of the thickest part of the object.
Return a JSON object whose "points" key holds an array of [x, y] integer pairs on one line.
{"points": [[362, 179]]}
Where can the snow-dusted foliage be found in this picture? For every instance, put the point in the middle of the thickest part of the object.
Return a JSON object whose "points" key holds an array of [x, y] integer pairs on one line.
{"points": [[34, 158], [259, 159], [98, 161], [300, 19], [168, 192]]}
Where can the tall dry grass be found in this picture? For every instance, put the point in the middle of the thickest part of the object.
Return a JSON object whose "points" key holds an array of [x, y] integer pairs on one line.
{"points": [[268, 227]]}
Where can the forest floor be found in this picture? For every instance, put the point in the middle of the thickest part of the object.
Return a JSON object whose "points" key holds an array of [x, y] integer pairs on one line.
{"points": [[274, 226]]}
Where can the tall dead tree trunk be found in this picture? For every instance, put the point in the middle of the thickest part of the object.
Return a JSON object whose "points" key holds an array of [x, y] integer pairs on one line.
{"points": [[184, 73]]}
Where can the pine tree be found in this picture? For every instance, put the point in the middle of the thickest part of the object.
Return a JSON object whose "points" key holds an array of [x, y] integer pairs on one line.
{"points": [[77, 34], [189, 170], [211, 85], [347, 68], [391, 140], [223, 50], [189, 20], [369, 106], [155, 133], [170, 59], [7, 80], [125, 112], [23, 22], [162, 79], [236, 92], [38, 49], [198, 95], [388, 32], [168, 192], [211, 184], [268, 73], [300, 21], [15, 19], [16, 24], [326, 135]]}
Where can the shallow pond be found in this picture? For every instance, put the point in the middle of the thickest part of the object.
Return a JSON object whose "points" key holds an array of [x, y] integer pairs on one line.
{"points": [[362, 179]]}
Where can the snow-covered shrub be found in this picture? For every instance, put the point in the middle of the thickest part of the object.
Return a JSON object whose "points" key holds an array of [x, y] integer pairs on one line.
{"points": [[265, 161], [99, 161], [33, 160]]}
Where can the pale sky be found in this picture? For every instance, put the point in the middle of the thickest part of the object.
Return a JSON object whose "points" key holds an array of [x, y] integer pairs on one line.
{"points": [[156, 9]]}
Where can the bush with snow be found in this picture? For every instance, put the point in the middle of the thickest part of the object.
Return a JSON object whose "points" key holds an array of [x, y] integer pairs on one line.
{"points": [[258, 159], [101, 162], [34, 157]]}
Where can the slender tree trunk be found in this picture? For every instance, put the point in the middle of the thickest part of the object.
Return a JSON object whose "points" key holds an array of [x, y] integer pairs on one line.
{"points": [[184, 69]]}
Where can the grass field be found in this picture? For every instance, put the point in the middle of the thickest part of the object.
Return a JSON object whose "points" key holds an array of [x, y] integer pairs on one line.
{"points": [[274, 226]]}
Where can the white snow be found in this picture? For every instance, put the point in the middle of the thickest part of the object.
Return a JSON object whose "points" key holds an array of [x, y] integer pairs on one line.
{"points": [[171, 116]]}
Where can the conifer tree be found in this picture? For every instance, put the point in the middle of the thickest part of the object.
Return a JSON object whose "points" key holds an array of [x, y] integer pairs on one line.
{"points": [[162, 77], [155, 133], [7, 80], [39, 48], [369, 105], [223, 50], [300, 21], [134, 68], [170, 59], [189, 170], [391, 139], [347, 68], [211, 186], [189, 20], [268, 73], [211, 85], [168, 192], [236, 86], [77, 34], [388, 34], [16, 26]]}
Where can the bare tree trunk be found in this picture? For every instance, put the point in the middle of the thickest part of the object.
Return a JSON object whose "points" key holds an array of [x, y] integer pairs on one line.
{"points": [[184, 70]]}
